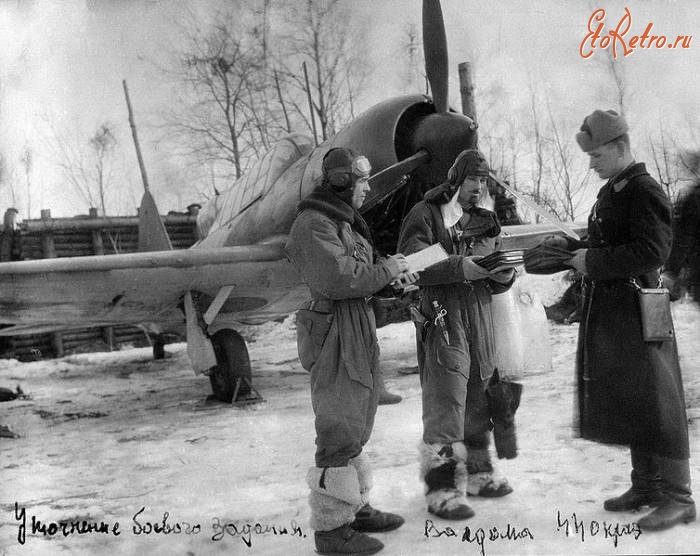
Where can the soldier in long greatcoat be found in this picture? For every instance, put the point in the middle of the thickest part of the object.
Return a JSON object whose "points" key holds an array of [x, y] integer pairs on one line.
{"points": [[630, 391]]}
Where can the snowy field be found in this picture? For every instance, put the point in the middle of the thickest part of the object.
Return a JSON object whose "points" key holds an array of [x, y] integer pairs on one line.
{"points": [[130, 444]]}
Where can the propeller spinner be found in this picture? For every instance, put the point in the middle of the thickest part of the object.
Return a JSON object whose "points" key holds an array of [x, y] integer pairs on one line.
{"points": [[432, 140]]}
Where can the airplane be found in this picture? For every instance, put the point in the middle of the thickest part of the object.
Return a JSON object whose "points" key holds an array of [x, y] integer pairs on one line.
{"points": [[237, 272]]}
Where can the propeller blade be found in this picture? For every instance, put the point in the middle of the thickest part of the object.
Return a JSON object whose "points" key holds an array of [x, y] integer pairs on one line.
{"points": [[435, 50], [390, 179]]}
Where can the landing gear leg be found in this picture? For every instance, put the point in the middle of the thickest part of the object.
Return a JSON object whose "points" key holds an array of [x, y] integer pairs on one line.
{"points": [[232, 379]]}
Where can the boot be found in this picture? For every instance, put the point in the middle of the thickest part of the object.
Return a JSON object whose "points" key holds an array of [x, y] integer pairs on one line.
{"points": [[370, 520], [677, 504], [443, 468], [503, 400], [345, 540], [646, 485], [482, 479], [633, 499], [334, 496], [386, 397], [668, 514]]}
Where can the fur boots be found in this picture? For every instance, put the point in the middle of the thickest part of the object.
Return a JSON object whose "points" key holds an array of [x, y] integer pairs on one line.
{"points": [[444, 470], [482, 478]]}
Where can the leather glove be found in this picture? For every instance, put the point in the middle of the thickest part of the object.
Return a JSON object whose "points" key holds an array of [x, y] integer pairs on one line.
{"points": [[556, 241], [473, 271], [672, 284], [578, 261], [503, 276]]}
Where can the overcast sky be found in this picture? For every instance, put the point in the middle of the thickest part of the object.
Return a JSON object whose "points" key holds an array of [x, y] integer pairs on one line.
{"points": [[66, 59]]}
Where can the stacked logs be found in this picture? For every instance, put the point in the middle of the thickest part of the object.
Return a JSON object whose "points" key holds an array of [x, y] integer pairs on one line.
{"points": [[81, 236]]}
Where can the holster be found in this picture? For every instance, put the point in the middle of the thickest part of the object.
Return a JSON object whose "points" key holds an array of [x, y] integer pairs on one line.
{"points": [[420, 320]]}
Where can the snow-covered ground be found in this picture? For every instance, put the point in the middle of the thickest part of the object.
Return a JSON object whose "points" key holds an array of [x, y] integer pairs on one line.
{"points": [[129, 443]]}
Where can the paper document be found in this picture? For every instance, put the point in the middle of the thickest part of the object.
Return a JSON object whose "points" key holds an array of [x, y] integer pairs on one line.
{"points": [[426, 257]]}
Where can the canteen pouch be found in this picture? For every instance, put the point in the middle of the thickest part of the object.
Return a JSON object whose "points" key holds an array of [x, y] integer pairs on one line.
{"points": [[655, 309], [312, 329]]}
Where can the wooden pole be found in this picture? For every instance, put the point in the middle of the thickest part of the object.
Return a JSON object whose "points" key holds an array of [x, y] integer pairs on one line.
{"points": [[48, 246], [144, 177], [7, 235], [466, 89], [108, 336], [98, 247], [57, 344], [48, 251]]}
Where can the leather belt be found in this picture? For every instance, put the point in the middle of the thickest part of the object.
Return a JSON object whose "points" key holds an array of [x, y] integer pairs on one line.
{"points": [[328, 305], [319, 305]]}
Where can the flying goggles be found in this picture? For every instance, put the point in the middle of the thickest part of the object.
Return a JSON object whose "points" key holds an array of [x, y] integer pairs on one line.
{"points": [[360, 166]]}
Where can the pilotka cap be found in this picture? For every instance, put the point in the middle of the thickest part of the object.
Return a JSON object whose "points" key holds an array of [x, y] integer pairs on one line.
{"points": [[599, 128]]}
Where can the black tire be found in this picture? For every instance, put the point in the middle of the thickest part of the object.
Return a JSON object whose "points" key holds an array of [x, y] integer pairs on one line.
{"points": [[232, 362]]}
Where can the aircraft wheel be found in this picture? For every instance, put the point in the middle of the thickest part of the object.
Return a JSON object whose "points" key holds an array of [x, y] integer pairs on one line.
{"points": [[232, 362]]}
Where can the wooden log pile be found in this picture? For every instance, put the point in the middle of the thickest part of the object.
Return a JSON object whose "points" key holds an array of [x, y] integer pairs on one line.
{"points": [[81, 236]]}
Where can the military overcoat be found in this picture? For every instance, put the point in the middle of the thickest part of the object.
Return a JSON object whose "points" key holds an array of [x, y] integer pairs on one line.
{"points": [[630, 391]]}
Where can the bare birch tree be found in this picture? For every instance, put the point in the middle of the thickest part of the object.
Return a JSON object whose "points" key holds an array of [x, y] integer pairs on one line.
{"points": [[218, 73], [616, 71], [7, 180], [538, 145], [237, 92], [666, 161], [319, 33], [225, 113], [102, 144], [569, 184], [27, 160], [411, 50], [85, 164]]}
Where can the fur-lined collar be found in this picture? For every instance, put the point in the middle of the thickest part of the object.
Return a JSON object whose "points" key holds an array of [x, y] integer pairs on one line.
{"points": [[482, 221], [439, 195], [334, 207]]}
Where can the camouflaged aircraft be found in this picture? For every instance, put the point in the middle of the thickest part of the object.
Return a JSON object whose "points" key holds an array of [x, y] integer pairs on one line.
{"points": [[237, 273]]}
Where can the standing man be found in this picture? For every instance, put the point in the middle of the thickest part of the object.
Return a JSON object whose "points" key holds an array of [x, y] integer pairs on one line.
{"points": [[330, 245], [685, 252], [456, 346], [630, 391]]}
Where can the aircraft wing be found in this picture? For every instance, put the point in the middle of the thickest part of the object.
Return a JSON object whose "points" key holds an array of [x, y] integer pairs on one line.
{"points": [[76, 292], [526, 236]]}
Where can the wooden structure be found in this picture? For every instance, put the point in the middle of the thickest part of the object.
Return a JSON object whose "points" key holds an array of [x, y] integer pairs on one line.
{"points": [[81, 236]]}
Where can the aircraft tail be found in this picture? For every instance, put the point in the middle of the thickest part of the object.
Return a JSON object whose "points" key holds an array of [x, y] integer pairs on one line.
{"points": [[152, 233]]}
